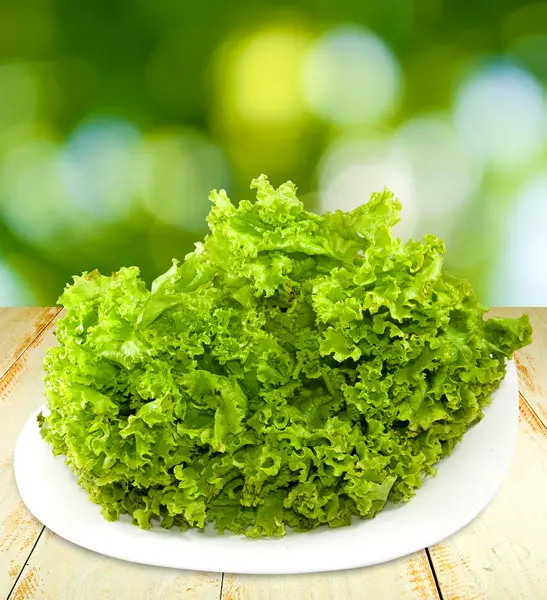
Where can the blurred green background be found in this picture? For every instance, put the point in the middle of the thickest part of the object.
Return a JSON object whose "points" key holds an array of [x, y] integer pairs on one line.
{"points": [[117, 118]]}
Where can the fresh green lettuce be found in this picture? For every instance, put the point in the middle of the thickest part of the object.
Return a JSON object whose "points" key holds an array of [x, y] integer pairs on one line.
{"points": [[295, 370]]}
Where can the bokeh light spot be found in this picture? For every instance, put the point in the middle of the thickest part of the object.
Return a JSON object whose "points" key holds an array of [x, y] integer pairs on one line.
{"points": [[260, 75], [519, 276], [351, 77], [443, 172], [13, 290], [98, 168], [500, 112], [177, 171], [352, 169], [32, 201]]}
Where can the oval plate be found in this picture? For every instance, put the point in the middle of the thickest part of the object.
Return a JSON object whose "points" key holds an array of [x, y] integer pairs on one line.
{"points": [[466, 482]]}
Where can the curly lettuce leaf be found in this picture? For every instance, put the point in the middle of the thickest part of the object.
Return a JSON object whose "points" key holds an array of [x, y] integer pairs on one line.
{"points": [[294, 370]]}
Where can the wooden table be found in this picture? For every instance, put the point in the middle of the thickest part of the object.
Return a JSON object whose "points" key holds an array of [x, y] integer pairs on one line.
{"points": [[501, 556]]}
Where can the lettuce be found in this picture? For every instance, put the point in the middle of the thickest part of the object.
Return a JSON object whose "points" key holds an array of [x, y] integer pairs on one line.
{"points": [[295, 370]]}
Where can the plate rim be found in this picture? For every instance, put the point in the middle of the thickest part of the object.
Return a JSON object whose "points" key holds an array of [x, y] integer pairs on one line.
{"points": [[328, 560]]}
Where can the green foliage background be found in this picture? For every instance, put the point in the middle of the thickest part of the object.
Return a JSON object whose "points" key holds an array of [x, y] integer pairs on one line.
{"points": [[117, 117]]}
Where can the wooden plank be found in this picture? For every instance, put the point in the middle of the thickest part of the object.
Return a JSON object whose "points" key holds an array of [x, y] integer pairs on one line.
{"points": [[20, 393], [52, 559], [455, 566], [59, 569], [18, 327], [410, 577], [502, 553]]}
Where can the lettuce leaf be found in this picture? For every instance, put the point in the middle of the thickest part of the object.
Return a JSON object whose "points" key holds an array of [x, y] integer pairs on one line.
{"points": [[294, 370]]}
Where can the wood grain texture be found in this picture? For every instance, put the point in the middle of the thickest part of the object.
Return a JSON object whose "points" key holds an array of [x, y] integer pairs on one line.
{"points": [[59, 569], [410, 578], [502, 554], [18, 327], [21, 392]]}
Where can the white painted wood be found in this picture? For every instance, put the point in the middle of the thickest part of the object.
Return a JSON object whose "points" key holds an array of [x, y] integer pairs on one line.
{"points": [[410, 578], [18, 327], [58, 569], [503, 553], [20, 394]]}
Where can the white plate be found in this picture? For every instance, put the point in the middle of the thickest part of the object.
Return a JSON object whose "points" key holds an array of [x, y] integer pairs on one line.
{"points": [[466, 482]]}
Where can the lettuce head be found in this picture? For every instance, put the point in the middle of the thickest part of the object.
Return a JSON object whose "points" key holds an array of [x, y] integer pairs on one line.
{"points": [[294, 370]]}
